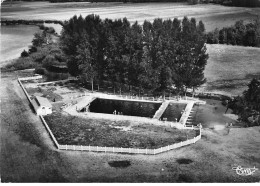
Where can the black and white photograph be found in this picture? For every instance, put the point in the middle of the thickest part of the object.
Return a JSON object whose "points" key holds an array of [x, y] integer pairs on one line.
{"points": [[130, 91]]}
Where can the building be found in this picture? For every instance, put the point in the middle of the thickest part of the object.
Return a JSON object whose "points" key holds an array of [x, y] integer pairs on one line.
{"points": [[42, 106]]}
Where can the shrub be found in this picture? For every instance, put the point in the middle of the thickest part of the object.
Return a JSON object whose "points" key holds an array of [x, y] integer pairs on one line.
{"points": [[21, 64], [24, 53], [50, 30], [32, 49], [40, 71]]}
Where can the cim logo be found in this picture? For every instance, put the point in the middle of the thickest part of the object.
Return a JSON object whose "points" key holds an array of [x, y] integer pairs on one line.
{"points": [[245, 171]]}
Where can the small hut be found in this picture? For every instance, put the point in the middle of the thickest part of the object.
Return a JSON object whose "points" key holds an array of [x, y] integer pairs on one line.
{"points": [[42, 105]]}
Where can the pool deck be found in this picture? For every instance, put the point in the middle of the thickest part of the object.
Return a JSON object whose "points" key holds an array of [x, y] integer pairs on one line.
{"points": [[186, 114], [155, 120], [161, 110]]}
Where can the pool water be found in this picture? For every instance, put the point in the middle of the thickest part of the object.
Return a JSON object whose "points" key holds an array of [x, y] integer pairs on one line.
{"points": [[173, 111], [128, 108]]}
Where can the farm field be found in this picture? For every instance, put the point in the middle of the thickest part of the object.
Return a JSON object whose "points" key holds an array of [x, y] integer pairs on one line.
{"points": [[212, 15], [231, 68]]}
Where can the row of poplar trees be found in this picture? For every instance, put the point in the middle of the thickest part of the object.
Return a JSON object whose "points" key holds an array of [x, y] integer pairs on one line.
{"points": [[157, 56]]}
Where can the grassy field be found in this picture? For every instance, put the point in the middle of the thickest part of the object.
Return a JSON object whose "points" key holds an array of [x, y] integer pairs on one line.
{"points": [[231, 68], [28, 154], [212, 15], [73, 130]]}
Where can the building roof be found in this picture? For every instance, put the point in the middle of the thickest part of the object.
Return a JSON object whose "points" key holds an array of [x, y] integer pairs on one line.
{"points": [[42, 101]]}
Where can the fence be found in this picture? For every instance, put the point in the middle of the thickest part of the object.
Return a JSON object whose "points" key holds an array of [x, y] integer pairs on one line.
{"points": [[30, 78], [42, 119], [116, 149], [132, 150], [27, 95], [59, 81], [50, 132]]}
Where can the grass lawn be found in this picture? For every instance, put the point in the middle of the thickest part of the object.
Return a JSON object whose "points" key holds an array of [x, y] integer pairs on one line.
{"points": [[231, 68], [73, 130], [48, 93]]}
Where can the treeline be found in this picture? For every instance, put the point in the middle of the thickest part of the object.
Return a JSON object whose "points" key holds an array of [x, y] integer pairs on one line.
{"points": [[154, 56], [124, 1], [247, 106], [43, 53], [246, 3], [29, 22], [238, 34], [240, 3]]}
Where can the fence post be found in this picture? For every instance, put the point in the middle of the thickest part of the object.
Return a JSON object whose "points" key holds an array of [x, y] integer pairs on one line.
{"points": [[153, 98]]}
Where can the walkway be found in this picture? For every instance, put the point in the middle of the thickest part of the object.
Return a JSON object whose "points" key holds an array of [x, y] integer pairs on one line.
{"points": [[186, 113], [161, 110], [84, 102]]}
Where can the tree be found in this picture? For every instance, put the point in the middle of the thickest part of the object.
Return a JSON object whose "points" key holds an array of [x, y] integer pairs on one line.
{"points": [[87, 65], [240, 32], [191, 56], [48, 61], [39, 39], [24, 53], [257, 26], [252, 95], [250, 37], [222, 36], [156, 56]]}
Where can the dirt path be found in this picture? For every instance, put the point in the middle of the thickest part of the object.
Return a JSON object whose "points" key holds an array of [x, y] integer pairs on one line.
{"points": [[28, 154]]}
